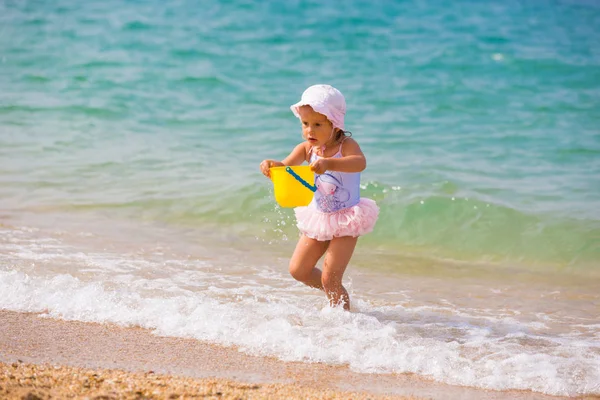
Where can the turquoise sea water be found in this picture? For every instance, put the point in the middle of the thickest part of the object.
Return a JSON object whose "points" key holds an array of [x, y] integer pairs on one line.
{"points": [[480, 122]]}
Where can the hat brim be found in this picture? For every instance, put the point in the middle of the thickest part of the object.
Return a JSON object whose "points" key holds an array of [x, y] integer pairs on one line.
{"points": [[321, 109]]}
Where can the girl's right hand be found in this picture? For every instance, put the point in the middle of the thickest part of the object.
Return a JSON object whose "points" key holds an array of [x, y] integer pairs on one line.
{"points": [[265, 167]]}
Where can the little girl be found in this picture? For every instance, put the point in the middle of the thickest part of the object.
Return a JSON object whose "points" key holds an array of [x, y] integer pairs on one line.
{"points": [[337, 215]]}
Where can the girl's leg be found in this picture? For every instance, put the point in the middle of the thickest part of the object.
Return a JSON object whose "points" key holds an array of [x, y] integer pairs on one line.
{"points": [[302, 265], [338, 256]]}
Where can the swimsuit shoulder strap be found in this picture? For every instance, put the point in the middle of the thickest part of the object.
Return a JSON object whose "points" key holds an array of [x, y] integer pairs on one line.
{"points": [[311, 153], [341, 144]]}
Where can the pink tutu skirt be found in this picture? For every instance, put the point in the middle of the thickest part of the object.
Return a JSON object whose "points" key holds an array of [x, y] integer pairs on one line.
{"points": [[352, 221]]}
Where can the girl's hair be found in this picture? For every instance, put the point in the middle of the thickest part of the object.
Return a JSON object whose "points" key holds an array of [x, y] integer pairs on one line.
{"points": [[342, 133]]}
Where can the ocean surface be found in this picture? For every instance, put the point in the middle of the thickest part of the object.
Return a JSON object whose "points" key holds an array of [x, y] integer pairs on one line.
{"points": [[130, 138]]}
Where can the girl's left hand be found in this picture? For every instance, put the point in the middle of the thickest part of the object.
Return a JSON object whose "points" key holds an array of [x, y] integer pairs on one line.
{"points": [[319, 166]]}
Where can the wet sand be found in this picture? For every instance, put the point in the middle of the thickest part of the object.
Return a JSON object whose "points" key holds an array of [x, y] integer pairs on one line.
{"points": [[47, 357]]}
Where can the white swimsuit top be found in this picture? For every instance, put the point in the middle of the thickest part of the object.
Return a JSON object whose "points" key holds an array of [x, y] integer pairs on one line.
{"points": [[335, 190]]}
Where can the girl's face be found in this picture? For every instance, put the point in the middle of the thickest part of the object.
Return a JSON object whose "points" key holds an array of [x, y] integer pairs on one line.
{"points": [[316, 128]]}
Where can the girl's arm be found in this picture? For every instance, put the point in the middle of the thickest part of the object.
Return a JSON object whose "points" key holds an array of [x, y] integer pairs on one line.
{"points": [[353, 160], [296, 157]]}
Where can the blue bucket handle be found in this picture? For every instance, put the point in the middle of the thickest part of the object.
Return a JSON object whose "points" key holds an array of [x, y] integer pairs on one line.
{"points": [[312, 188]]}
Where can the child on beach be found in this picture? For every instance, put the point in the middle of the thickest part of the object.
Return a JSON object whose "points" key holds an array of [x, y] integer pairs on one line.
{"points": [[337, 215]]}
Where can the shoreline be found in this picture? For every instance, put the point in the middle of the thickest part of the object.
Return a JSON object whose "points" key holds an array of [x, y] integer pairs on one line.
{"points": [[35, 345]]}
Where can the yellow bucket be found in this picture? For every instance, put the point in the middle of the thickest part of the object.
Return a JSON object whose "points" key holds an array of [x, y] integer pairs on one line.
{"points": [[293, 186]]}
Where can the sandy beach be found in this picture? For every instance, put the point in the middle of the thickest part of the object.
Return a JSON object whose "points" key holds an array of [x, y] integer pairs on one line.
{"points": [[33, 381], [48, 358]]}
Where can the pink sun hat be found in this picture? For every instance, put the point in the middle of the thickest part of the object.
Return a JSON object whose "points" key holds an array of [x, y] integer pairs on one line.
{"points": [[326, 100]]}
